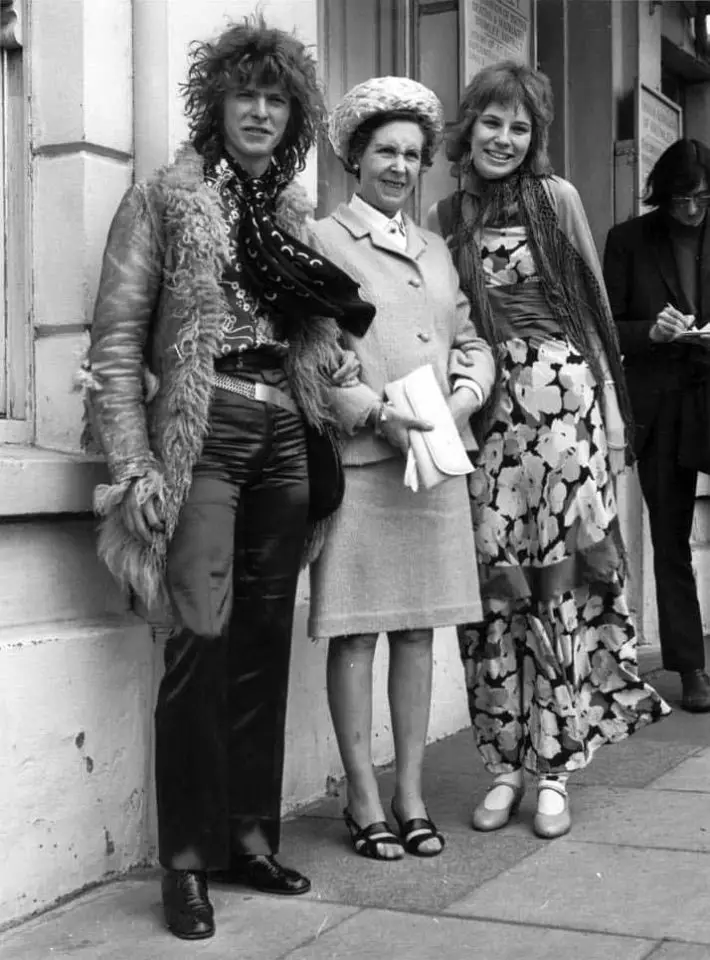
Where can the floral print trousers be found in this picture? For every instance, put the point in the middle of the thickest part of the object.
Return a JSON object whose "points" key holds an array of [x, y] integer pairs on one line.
{"points": [[551, 670]]}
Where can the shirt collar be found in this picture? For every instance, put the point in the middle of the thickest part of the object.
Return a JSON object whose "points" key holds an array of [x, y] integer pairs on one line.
{"points": [[391, 226], [219, 175], [225, 175]]}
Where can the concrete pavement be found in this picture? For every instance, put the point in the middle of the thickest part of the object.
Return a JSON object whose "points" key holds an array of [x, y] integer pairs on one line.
{"points": [[630, 882]]}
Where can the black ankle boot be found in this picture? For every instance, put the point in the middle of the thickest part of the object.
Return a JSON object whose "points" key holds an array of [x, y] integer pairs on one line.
{"points": [[188, 911], [696, 691]]}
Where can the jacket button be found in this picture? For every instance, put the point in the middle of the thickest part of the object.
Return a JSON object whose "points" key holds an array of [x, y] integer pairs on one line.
{"points": [[424, 337], [415, 282]]}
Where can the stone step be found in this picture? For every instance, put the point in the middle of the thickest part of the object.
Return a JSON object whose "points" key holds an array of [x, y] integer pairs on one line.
{"points": [[49, 571], [75, 753]]}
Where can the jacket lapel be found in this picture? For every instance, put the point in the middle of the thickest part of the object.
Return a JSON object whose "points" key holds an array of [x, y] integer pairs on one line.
{"points": [[359, 228], [705, 273], [383, 242], [666, 263], [416, 240]]}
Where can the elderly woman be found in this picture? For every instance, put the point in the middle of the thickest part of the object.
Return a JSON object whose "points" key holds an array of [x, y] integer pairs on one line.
{"points": [[395, 561], [208, 296], [551, 670]]}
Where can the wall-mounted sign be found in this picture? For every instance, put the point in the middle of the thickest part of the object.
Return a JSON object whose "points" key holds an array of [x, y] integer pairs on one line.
{"points": [[494, 30], [659, 123]]}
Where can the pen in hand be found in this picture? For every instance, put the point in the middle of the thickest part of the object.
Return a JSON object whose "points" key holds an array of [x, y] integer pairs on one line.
{"points": [[684, 317], [671, 324]]}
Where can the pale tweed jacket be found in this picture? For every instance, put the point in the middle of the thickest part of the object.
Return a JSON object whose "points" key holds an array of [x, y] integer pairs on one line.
{"points": [[422, 317], [148, 376]]}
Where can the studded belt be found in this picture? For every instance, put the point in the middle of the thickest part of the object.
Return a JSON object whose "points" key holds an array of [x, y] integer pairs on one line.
{"points": [[255, 391]]}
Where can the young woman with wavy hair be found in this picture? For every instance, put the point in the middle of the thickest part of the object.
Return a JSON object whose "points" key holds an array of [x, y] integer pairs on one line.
{"points": [[551, 669]]}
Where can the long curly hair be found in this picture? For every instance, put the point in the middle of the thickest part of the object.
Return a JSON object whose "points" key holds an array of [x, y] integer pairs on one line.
{"points": [[250, 52], [510, 84]]}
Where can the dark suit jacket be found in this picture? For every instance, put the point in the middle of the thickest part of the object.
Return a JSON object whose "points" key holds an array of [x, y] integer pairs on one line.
{"points": [[641, 278]]}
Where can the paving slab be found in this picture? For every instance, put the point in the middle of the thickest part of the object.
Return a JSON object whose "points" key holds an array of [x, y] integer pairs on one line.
{"points": [[455, 754], [610, 890], [448, 793], [322, 850], [650, 663], [655, 894], [125, 920], [650, 660], [455, 780], [692, 774], [680, 821], [691, 728], [636, 761], [374, 934], [680, 951]]}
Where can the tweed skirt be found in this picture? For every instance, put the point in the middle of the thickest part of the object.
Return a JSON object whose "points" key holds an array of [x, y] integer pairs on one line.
{"points": [[394, 559]]}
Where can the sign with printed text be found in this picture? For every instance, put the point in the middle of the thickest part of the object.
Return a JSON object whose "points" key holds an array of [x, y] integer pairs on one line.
{"points": [[659, 123], [493, 30]]}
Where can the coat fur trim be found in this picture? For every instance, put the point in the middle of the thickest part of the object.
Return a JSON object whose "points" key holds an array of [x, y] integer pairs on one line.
{"points": [[195, 246]]}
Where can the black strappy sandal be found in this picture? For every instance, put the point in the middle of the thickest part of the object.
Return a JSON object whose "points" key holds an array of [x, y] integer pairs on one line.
{"points": [[366, 839], [415, 832]]}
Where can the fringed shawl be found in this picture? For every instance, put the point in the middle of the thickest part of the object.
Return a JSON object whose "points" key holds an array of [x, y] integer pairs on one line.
{"points": [[572, 286]]}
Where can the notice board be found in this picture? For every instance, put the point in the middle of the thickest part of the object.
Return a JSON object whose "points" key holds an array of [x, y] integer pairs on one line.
{"points": [[659, 123], [494, 30]]}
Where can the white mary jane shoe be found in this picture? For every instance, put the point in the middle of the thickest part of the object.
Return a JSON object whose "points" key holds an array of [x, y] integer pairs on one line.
{"points": [[551, 825], [485, 819]]}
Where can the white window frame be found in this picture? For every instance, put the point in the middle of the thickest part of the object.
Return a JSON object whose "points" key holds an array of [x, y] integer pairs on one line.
{"points": [[15, 419]]}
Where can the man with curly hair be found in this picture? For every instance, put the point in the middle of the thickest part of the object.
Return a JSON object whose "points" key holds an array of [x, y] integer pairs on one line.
{"points": [[214, 343]]}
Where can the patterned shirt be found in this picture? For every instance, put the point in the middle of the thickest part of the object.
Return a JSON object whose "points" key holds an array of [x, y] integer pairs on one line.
{"points": [[247, 324], [391, 227]]}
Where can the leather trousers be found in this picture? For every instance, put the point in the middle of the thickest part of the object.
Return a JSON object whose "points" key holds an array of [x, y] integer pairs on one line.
{"points": [[232, 572]]}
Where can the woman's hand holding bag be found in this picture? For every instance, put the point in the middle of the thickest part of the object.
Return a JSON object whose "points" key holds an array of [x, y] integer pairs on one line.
{"points": [[394, 424], [437, 454]]}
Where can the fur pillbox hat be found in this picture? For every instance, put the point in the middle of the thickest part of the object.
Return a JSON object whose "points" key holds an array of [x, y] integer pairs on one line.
{"points": [[384, 95]]}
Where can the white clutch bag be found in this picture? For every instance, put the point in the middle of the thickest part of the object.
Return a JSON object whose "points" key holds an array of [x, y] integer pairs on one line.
{"points": [[434, 455]]}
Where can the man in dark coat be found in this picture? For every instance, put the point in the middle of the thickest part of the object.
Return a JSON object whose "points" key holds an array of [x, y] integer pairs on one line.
{"points": [[657, 272]]}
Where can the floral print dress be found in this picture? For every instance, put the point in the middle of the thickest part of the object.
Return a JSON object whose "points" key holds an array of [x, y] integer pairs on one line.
{"points": [[551, 671]]}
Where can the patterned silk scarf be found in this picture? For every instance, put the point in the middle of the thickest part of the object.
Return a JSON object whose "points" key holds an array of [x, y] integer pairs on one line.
{"points": [[281, 271]]}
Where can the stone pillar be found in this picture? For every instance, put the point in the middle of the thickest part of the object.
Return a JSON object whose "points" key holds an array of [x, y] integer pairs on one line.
{"points": [[697, 112], [76, 668], [650, 25], [82, 145], [590, 108], [553, 59]]}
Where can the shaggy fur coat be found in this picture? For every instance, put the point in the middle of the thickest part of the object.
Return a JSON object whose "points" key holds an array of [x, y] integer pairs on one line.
{"points": [[148, 375]]}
